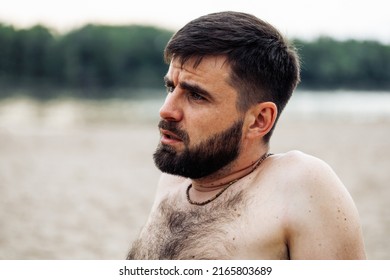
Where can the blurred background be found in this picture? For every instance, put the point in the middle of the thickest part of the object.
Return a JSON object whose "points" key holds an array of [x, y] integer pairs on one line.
{"points": [[80, 89]]}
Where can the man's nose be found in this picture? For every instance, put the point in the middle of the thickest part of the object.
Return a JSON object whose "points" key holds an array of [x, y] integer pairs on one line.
{"points": [[172, 110]]}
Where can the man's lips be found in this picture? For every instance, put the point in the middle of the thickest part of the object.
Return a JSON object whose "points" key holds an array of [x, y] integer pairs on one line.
{"points": [[168, 137]]}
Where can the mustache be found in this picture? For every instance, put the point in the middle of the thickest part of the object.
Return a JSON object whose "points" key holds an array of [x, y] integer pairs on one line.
{"points": [[174, 128]]}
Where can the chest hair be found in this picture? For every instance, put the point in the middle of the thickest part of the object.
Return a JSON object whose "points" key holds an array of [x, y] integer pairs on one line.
{"points": [[191, 232]]}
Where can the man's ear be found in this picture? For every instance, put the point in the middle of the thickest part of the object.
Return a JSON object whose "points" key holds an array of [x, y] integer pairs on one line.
{"points": [[262, 117]]}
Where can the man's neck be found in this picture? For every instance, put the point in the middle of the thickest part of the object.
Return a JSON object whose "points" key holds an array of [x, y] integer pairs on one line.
{"points": [[234, 171]]}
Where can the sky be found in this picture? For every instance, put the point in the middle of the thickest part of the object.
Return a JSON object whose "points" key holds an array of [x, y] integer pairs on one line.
{"points": [[305, 19]]}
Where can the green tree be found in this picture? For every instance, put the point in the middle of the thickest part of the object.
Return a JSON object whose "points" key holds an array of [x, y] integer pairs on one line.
{"points": [[97, 60], [328, 63], [107, 56]]}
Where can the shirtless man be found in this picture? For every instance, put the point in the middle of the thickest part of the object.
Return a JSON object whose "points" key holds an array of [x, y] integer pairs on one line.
{"points": [[222, 195]]}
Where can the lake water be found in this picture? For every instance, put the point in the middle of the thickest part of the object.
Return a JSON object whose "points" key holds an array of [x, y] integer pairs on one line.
{"points": [[362, 106], [23, 112]]}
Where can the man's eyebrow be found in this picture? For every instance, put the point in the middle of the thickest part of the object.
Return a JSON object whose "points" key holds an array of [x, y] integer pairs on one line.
{"points": [[167, 81], [189, 87], [197, 89]]}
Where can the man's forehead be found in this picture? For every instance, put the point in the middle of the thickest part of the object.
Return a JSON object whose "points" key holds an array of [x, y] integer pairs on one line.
{"points": [[200, 66]]}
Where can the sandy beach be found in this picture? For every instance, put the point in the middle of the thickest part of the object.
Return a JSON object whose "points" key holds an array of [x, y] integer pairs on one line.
{"points": [[77, 181]]}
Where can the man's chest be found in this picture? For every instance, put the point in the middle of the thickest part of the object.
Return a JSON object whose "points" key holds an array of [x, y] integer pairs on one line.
{"points": [[225, 230]]}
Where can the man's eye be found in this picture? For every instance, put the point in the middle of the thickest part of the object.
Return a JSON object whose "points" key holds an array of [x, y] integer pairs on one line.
{"points": [[195, 96]]}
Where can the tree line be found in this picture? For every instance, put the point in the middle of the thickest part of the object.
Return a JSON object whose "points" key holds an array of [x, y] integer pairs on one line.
{"points": [[92, 61], [97, 61], [350, 64]]}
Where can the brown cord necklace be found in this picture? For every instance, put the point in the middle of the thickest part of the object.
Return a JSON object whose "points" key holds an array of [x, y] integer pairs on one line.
{"points": [[257, 164]]}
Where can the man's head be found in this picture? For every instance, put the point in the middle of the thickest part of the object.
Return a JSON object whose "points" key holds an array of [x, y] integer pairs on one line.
{"points": [[264, 67], [230, 75]]}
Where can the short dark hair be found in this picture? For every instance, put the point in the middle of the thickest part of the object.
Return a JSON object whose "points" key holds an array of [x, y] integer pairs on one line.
{"points": [[265, 67]]}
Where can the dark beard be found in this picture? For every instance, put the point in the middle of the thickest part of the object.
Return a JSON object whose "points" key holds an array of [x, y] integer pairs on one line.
{"points": [[204, 159]]}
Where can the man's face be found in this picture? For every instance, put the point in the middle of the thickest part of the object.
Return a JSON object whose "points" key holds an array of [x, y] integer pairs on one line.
{"points": [[200, 127]]}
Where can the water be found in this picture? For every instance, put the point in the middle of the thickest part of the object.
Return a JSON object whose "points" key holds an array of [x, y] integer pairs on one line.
{"points": [[359, 106], [24, 112]]}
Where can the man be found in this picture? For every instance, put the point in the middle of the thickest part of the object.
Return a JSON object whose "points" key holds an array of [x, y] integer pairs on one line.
{"points": [[222, 195]]}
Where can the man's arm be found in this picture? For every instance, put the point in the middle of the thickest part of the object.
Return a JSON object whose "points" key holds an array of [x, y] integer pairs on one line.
{"points": [[323, 222]]}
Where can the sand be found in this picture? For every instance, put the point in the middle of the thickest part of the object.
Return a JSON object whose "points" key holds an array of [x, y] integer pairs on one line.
{"points": [[77, 181]]}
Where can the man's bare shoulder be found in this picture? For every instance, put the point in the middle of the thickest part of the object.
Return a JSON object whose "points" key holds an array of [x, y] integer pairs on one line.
{"points": [[306, 179], [299, 161], [320, 217], [301, 169]]}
